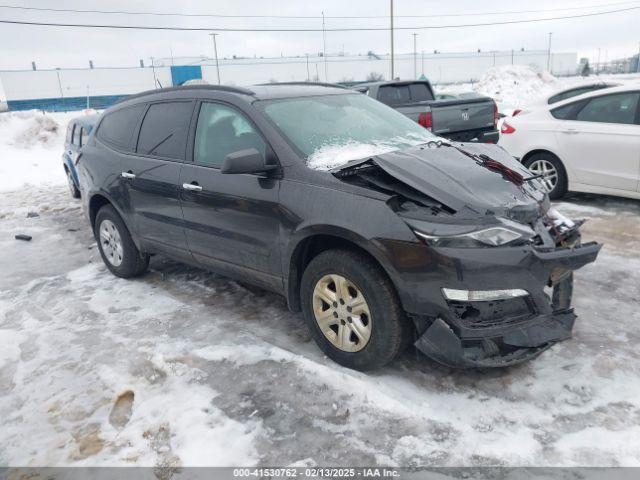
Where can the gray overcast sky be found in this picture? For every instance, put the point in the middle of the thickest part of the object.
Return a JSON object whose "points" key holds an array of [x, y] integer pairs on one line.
{"points": [[616, 34]]}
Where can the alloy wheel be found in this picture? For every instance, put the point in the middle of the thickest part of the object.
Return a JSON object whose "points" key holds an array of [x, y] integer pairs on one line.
{"points": [[549, 174], [111, 243], [342, 313]]}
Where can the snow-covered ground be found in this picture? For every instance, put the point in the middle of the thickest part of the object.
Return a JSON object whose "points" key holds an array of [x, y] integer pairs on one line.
{"points": [[518, 86], [182, 367]]}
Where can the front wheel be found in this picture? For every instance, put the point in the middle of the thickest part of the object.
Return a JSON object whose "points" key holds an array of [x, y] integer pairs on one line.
{"points": [[551, 171], [352, 310], [119, 252]]}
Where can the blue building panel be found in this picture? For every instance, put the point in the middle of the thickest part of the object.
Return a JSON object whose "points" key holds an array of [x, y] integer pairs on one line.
{"points": [[182, 73]]}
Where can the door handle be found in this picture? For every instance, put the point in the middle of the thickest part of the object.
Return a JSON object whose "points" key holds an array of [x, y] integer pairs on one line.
{"points": [[571, 131], [128, 174], [192, 187]]}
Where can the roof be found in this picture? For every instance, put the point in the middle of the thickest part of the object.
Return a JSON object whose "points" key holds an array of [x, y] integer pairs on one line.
{"points": [[297, 89], [259, 92], [86, 120], [631, 87]]}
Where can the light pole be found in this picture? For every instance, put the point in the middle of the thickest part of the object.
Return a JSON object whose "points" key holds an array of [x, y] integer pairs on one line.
{"points": [[153, 69], [324, 49], [391, 16], [549, 54], [307, 55], [415, 57], [215, 53]]}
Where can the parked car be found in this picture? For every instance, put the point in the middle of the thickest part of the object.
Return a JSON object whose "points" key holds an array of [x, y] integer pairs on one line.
{"points": [[567, 93], [393, 237], [464, 120], [77, 134], [446, 96], [588, 143]]}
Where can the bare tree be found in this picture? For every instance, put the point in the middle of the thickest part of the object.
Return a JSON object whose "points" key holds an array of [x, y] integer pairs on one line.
{"points": [[375, 77]]}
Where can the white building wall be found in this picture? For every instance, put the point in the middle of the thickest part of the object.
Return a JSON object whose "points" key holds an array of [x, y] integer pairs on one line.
{"points": [[439, 68]]}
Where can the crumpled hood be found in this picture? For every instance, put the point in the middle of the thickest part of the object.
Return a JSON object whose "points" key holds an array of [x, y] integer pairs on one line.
{"points": [[457, 181]]}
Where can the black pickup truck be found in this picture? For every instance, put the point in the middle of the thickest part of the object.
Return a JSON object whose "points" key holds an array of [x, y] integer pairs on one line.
{"points": [[463, 120]]}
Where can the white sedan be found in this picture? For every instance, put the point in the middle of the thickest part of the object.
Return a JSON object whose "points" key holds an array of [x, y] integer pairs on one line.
{"points": [[588, 143]]}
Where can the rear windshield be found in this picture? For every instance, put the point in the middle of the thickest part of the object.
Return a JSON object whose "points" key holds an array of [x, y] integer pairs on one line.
{"points": [[404, 93], [332, 130]]}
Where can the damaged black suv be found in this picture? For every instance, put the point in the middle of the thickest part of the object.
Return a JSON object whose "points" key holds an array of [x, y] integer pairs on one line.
{"points": [[382, 234]]}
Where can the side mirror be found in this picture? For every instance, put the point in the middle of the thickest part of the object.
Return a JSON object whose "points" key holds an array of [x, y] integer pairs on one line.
{"points": [[246, 161]]}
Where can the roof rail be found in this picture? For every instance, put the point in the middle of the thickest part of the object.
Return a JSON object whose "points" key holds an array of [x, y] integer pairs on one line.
{"points": [[307, 84], [221, 88]]}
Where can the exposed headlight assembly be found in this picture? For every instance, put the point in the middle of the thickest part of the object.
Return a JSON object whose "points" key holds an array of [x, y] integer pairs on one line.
{"points": [[492, 237]]}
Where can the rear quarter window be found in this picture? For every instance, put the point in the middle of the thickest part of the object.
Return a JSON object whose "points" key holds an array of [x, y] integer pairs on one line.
{"points": [[567, 112], [116, 128]]}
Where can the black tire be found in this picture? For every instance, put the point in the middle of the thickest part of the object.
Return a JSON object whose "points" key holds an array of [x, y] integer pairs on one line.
{"points": [[133, 261], [390, 329], [73, 189], [560, 188]]}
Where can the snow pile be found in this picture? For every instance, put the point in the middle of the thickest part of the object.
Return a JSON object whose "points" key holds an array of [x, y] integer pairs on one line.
{"points": [[31, 146], [513, 86], [30, 129]]}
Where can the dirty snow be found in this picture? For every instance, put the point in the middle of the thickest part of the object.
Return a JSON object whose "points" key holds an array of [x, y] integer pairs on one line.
{"points": [[31, 148], [182, 367]]}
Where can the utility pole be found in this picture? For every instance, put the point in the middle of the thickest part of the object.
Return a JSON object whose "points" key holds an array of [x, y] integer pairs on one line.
{"points": [[422, 62], [549, 54], [153, 69], [324, 49], [391, 16], [307, 55], [415, 57], [215, 53], [598, 64]]}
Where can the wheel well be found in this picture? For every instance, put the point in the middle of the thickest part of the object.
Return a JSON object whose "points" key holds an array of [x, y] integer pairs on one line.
{"points": [[306, 251], [534, 152], [95, 204]]}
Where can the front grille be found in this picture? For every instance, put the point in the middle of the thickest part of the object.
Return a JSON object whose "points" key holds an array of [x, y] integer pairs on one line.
{"points": [[499, 313]]}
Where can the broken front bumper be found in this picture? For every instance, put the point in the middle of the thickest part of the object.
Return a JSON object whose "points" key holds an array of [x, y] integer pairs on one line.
{"points": [[507, 331]]}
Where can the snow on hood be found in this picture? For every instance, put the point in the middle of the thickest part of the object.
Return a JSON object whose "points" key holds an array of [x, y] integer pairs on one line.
{"points": [[331, 156]]}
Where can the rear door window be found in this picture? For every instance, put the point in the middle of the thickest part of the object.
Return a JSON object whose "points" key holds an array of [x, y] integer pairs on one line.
{"points": [[394, 94], [75, 135], [164, 130], [618, 108], [420, 92], [116, 128], [69, 134]]}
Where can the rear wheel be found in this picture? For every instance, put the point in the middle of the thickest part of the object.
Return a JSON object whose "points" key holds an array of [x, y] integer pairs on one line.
{"points": [[73, 189], [119, 252], [552, 172], [352, 310]]}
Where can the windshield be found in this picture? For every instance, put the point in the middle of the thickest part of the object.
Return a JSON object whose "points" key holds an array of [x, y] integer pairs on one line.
{"points": [[332, 130]]}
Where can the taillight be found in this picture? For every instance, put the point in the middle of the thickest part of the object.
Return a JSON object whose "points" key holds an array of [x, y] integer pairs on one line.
{"points": [[426, 120], [496, 115], [516, 112], [506, 128]]}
